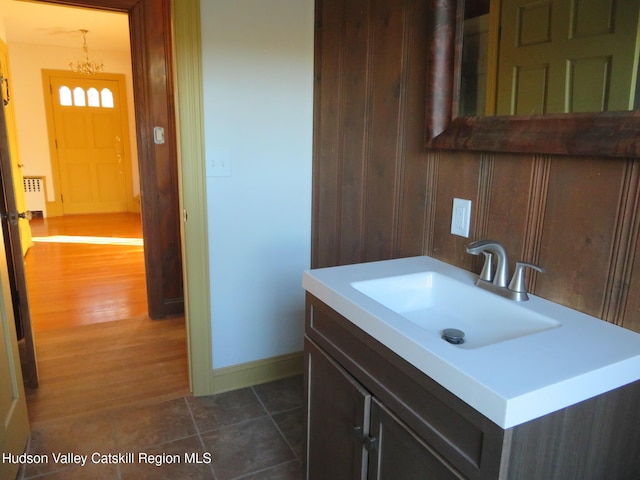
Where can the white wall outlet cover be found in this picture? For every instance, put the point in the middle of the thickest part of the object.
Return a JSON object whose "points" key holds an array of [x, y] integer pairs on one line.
{"points": [[461, 217]]}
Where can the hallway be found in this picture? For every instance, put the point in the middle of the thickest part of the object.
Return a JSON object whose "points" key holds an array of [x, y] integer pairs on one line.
{"points": [[85, 269], [97, 349]]}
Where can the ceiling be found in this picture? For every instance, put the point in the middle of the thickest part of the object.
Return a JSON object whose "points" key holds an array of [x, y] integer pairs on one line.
{"points": [[53, 25]]}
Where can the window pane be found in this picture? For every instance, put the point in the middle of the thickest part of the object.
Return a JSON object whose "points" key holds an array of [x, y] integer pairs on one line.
{"points": [[65, 96], [107, 98], [94, 98], [78, 97]]}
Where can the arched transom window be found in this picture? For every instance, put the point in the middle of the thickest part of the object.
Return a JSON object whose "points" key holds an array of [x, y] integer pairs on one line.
{"points": [[79, 97]]}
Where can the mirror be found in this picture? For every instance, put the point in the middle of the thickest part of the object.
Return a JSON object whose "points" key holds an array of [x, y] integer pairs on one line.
{"points": [[553, 56], [573, 103]]}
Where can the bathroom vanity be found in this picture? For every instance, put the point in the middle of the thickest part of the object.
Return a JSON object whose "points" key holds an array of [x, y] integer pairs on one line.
{"points": [[388, 398]]}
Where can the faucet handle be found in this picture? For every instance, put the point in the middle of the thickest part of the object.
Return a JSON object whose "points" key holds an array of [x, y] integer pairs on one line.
{"points": [[517, 283], [487, 268]]}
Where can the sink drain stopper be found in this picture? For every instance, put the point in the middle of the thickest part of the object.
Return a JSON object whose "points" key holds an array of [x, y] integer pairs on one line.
{"points": [[453, 335]]}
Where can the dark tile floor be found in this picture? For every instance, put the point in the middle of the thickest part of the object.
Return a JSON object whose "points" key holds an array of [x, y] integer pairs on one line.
{"points": [[253, 433]]}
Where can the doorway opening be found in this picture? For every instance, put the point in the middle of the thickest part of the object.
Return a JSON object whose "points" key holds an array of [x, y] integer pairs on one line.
{"points": [[115, 360], [97, 347]]}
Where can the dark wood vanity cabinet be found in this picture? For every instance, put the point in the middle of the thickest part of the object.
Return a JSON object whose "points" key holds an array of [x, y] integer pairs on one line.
{"points": [[355, 435], [371, 415]]}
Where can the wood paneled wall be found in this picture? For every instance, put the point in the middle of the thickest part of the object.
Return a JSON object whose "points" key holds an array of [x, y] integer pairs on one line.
{"points": [[379, 193]]}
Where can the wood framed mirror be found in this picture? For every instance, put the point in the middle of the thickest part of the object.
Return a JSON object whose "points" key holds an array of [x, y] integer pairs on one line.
{"points": [[609, 133]]}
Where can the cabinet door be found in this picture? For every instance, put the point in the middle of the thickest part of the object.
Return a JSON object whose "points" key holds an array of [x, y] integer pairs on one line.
{"points": [[337, 419], [399, 454]]}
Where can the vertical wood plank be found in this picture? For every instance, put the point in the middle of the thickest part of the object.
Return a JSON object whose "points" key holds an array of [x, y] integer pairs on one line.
{"points": [[630, 317], [508, 211], [385, 162], [326, 138], [579, 225], [411, 234], [355, 130], [625, 241], [534, 225], [433, 171]]}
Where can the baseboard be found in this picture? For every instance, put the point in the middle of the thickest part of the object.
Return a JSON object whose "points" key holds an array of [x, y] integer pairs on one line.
{"points": [[253, 373], [54, 209]]}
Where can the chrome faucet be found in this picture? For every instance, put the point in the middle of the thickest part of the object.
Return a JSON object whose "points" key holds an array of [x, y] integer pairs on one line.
{"points": [[498, 283]]}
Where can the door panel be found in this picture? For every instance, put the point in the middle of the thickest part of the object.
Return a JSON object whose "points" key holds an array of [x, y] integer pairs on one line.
{"points": [[400, 454], [12, 138], [14, 259], [338, 405], [88, 135], [554, 53], [13, 409], [14, 431]]}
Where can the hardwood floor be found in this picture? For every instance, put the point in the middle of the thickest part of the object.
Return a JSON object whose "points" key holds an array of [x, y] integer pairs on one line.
{"points": [[85, 269], [97, 349]]}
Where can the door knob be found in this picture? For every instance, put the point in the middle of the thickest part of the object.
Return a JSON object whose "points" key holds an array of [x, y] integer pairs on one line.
{"points": [[13, 217]]}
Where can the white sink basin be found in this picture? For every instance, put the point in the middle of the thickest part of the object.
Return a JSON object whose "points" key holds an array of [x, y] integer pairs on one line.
{"points": [[435, 302], [520, 360]]}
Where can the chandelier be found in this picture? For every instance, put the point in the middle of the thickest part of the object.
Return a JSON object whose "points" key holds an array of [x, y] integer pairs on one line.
{"points": [[84, 65]]}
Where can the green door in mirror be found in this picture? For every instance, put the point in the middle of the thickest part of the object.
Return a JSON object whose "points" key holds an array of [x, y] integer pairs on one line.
{"points": [[559, 57]]}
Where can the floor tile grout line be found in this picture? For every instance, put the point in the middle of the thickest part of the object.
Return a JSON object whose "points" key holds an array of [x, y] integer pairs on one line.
{"points": [[288, 410], [161, 444], [193, 419], [252, 387], [284, 437], [222, 427], [199, 433]]}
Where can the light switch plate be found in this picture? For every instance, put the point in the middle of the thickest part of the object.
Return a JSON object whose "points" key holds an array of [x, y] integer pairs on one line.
{"points": [[461, 217]]}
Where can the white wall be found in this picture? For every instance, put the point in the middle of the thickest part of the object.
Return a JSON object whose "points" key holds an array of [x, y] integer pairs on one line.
{"points": [[27, 62], [258, 84]]}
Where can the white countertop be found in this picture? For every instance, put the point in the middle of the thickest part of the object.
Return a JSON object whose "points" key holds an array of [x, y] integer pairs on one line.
{"points": [[510, 382]]}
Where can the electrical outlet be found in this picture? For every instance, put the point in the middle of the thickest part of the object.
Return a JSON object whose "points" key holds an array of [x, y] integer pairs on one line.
{"points": [[461, 217]]}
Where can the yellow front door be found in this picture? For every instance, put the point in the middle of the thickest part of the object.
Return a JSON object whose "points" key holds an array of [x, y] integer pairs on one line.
{"points": [[91, 144]]}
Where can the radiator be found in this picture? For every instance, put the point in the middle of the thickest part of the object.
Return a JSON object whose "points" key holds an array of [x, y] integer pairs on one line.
{"points": [[34, 196]]}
